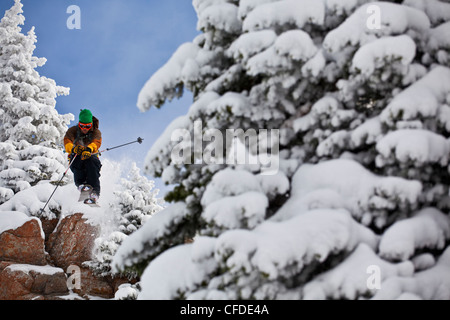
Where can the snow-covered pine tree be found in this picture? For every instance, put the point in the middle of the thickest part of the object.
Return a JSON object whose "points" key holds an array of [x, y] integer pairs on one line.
{"points": [[135, 202], [360, 92], [31, 130]]}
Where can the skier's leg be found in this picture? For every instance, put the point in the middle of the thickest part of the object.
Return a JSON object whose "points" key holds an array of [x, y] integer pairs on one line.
{"points": [[79, 174], [93, 166]]}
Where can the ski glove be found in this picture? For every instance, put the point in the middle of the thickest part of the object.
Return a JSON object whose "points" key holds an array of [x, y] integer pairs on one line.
{"points": [[86, 154], [78, 150]]}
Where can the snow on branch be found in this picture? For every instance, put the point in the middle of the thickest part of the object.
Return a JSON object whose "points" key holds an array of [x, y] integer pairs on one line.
{"points": [[422, 99], [349, 279], [430, 284], [220, 17], [396, 19], [143, 244], [296, 12], [283, 249], [347, 184], [415, 146], [429, 229], [383, 51]]}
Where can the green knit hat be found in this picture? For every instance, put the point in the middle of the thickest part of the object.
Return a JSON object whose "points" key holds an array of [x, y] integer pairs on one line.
{"points": [[85, 116]]}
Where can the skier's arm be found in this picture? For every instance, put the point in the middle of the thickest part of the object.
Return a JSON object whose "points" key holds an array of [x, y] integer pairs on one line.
{"points": [[69, 138], [96, 141], [69, 147]]}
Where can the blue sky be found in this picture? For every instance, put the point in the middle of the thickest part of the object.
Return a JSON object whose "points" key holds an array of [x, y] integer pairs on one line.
{"points": [[121, 43]]}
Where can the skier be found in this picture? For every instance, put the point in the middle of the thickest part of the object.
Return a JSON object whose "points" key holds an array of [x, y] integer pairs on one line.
{"points": [[84, 140]]}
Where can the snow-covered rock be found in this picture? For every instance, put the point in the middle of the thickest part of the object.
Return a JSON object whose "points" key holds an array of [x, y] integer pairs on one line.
{"points": [[72, 242], [30, 282], [21, 238]]}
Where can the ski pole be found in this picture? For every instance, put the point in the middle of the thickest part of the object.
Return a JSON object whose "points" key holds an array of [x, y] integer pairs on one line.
{"points": [[59, 182], [139, 140]]}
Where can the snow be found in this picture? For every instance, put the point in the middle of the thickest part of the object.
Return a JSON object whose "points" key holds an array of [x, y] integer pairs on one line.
{"points": [[436, 10], [323, 106], [360, 109], [31, 127], [226, 211], [235, 102], [126, 292], [155, 156], [11, 220], [186, 275], [396, 19], [25, 268], [423, 261], [274, 185], [32, 200], [182, 67], [171, 258], [340, 210], [28, 204], [229, 182], [418, 146], [332, 231], [297, 44], [246, 6], [290, 46], [430, 284], [423, 98], [439, 38], [369, 132], [341, 6], [346, 184], [166, 76], [222, 16], [314, 65], [201, 5], [338, 138], [349, 279], [153, 230], [249, 44], [297, 12], [429, 229], [378, 51]]}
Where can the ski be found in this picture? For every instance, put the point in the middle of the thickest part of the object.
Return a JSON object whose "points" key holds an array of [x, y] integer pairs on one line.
{"points": [[91, 202], [86, 196], [85, 192]]}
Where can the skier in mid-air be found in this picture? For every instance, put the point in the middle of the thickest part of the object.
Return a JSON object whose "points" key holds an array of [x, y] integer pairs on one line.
{"points": [[83, 142]]}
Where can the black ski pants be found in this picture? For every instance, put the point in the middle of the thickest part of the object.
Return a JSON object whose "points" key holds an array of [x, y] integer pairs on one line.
{"points": [[87, 172]]}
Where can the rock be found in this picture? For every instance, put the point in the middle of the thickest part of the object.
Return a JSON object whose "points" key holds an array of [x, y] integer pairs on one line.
{"points": [[25, 273], [72, 242], [92, 285], [27, 282], [48, 226], [24, 242]]}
